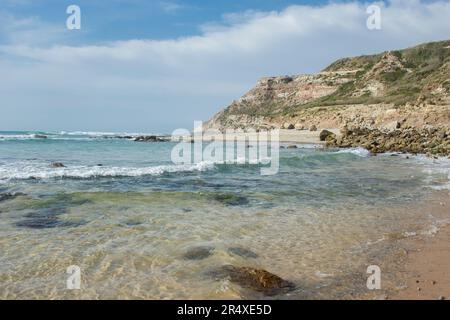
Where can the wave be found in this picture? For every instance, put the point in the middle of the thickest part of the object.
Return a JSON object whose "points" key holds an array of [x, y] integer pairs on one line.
{"points": [[21, 136], [101, 134], [361, 152], [66, 135], [26, 172]]}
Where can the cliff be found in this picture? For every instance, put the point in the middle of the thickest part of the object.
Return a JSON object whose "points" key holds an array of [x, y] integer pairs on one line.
{"points": [[408, 88]]}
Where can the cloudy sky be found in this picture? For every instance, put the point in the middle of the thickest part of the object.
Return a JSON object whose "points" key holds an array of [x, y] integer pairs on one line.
{"points": [[153, 66]]}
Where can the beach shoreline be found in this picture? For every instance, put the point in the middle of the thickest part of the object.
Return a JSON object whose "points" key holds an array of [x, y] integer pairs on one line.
{"points": [[428, 260], [422, 260], [284, 136]]}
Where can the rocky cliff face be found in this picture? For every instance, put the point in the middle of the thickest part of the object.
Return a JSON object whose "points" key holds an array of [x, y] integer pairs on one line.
{"points": [[409, 88]]}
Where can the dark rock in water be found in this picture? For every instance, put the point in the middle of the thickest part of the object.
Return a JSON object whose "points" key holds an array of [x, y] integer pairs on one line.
{"points": [[199, 253], [149, 139], [38, 221], [57, 165], [256, 279], [231, 199], [187, 210], [40, 136], [245, 253], [292, 146], [9, 196], [132, 223], [47, 212], [325, 134]]}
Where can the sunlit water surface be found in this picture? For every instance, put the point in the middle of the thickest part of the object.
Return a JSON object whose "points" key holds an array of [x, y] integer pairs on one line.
{"points": [[128, 223]]}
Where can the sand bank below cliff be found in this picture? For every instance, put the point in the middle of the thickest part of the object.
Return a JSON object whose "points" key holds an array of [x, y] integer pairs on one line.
{"points": [[285, 136]]}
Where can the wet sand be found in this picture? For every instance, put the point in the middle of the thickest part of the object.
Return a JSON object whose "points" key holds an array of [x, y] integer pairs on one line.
{"points": [[425, 265], [428, 268]]}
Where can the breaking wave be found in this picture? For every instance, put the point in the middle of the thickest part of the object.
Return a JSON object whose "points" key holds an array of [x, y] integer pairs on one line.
{"points": [[29, 171]]}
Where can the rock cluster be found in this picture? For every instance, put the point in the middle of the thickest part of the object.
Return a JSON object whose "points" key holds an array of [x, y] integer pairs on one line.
{"points": [[430, 141], [148, 139]]}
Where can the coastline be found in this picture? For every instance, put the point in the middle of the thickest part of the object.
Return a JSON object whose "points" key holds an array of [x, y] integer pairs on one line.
{"points": [[285, 136], [428, 262], [418, 266]]}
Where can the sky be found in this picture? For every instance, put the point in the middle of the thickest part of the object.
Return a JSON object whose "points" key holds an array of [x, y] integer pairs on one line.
{"points": [[154, 66]]}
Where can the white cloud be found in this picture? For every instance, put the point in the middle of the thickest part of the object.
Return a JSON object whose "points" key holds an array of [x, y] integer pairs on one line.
{"points": [[179, 80]]}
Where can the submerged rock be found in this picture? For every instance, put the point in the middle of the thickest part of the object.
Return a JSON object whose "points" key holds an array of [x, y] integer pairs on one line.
{"points": [[199, 253], [47, 212], [9, 196], [230, 199], [45, 221], [256, 279], [242, 252]]}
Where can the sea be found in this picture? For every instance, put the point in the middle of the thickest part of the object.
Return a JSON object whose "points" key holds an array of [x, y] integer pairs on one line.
{"points": [[126, 216]]}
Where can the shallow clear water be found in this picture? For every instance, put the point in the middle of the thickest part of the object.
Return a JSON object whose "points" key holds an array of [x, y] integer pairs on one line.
{"points": [[319, 222]]}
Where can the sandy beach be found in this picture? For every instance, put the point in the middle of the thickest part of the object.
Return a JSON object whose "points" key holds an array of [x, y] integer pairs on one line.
{"points": [[285, 136], [428, 261], [418, 266]]}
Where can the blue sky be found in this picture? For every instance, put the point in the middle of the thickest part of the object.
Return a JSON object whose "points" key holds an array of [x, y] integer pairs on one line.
{"points": [[108, 20], [155, 66]]}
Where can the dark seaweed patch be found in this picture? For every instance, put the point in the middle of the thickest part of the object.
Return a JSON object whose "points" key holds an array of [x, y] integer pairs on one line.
{"points": [[199, 253], [9, 196], [46, 222], [242, 252], [230, 199]]}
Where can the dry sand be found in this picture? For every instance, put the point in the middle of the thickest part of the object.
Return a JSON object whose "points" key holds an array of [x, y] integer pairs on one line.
{"points": [[285, 136]]}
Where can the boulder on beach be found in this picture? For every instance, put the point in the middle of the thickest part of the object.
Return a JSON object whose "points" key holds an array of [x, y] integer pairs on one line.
{"points": [[325, 134], [256, 279], [313, 128]]}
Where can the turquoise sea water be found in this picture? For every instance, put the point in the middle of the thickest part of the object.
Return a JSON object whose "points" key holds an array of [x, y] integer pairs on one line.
{"points": [[124, 213]]}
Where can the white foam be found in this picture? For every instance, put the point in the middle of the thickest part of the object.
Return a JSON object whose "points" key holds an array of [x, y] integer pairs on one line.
{"points": [[17, 137], [361, 152], [33, 171], [433, 168], [70, 135]]}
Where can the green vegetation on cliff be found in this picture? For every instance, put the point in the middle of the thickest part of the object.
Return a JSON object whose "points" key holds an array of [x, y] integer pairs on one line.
{"points": [[414, 75]]}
